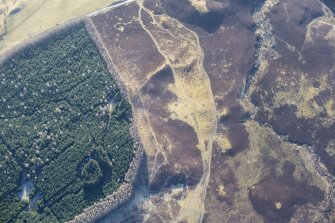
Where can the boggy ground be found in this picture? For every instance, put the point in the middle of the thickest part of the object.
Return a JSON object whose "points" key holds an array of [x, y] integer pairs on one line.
{"points": [[234, 107]]}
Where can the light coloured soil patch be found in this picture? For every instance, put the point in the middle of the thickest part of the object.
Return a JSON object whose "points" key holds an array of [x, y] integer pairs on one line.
{"points": [[192, 101], [200, 5], [37, 16], [195, 104], [223, 142], [253, 165], [303, 96]]}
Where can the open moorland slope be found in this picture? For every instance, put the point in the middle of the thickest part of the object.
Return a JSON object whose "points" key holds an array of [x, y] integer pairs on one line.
{"points": [[232, 101], [234, 107], [21, 20]]}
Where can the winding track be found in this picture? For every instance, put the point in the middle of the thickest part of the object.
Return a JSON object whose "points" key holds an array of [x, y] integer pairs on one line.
{"points": [[205, 130], [202, 132]]}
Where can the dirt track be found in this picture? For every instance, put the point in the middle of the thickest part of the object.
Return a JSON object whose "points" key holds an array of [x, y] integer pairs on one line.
{"points": [[234, 109], [208, 159]]}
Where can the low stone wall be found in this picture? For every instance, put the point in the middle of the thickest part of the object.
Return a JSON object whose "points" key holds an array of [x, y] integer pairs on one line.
{"points": [[125, 191], [101, 208]]}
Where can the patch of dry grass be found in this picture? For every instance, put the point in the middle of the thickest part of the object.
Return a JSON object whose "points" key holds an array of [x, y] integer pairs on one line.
{"points": [[37, 16]]}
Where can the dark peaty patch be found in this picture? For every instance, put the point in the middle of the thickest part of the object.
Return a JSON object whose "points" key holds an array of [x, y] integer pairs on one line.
{"points": [[285, 190]]}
